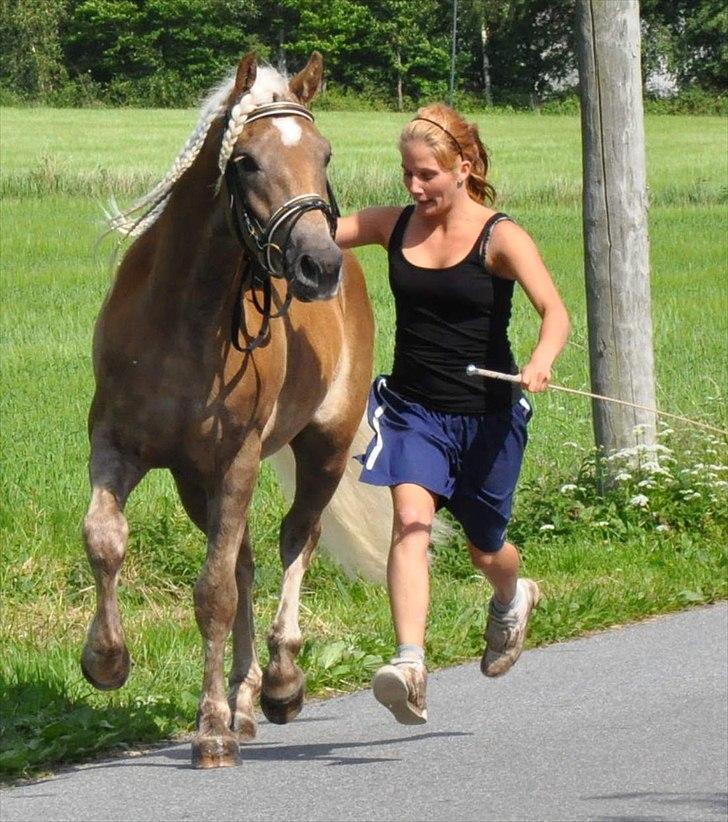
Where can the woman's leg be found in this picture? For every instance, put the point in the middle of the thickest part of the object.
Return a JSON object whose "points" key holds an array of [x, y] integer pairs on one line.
{"points": [[509, 609], [500, 567], [408, 572], [401, 686]]}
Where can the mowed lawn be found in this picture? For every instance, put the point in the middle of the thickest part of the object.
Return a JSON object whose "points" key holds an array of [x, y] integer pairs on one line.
{"points": [[600, 561]]}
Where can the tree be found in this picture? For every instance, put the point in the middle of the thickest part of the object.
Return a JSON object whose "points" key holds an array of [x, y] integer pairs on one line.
{"points": [[31, 60], [689, 39]]}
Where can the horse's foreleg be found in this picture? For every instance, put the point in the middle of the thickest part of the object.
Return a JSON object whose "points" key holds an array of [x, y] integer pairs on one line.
{"points": [[319, 465], [216, 600], [282, 692], [105, 660], [245, 675]]}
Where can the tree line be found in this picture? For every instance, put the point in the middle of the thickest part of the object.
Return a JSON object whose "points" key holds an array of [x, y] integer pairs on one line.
{"points": [[378, 53]]}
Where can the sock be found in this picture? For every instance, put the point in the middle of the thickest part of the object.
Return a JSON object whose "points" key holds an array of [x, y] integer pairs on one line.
{"points": [[501, 609], [414, 652]]}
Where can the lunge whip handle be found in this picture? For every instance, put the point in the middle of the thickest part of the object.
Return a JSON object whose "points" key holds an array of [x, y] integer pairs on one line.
{"points": [[474, 371]]}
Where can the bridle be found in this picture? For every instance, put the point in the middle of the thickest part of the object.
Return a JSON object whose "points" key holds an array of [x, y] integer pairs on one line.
{"points": [[262, 242]]}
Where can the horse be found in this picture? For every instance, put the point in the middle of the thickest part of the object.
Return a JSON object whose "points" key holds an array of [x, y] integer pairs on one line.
{"points": [[234, 327]]}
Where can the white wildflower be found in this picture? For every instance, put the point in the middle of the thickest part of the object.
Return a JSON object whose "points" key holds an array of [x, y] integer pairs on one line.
{"points": [[547, 527], [623, 476], [639, 501], [565, 489], [665, 432], [603, 523], [646, 483], [662, 527]]}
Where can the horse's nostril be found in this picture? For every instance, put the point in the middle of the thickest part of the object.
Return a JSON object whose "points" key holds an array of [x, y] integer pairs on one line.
{"points": [[309, 267]]}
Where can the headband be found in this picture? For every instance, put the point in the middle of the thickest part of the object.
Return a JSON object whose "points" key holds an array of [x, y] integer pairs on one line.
{"points": [[435, 123]]}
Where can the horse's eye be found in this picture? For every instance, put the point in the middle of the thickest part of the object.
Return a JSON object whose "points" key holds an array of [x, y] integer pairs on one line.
{"points": [[246, 163]]}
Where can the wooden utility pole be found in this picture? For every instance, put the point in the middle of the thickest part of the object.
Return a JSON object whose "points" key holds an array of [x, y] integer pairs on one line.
{"points": [[616, 246], [453, 51]]}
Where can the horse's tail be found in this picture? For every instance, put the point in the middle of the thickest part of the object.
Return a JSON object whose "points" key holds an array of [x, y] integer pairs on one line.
{"points": [[357, 523]]}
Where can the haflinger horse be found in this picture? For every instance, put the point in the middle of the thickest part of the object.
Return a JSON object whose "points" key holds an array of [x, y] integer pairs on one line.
{"points": [[234, 327]]}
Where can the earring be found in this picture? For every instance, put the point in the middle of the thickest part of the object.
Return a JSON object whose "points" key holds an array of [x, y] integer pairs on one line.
{"points": [[459, 183]]}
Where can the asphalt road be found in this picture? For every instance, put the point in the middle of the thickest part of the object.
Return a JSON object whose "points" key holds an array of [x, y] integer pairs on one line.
{"points": [[631, 724]]}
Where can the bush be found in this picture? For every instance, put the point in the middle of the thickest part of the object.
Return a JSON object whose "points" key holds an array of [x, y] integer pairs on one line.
{"points": [[691, 101], [662, 488]]}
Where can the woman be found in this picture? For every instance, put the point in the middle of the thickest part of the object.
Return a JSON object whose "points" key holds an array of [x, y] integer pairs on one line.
{"points": [[444, 438]]}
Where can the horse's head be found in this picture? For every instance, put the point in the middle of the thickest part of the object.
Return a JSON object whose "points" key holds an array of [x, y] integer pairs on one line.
{"points": [[274, 161]]}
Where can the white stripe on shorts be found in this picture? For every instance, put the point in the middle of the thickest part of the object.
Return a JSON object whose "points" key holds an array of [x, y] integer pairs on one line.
{"points": [[379, 444]]}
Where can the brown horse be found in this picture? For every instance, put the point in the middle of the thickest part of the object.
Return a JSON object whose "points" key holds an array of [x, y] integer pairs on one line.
{"points": [[205, 365]]}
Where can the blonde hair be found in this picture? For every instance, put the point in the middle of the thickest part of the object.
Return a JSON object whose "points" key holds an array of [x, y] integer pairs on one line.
{"points": [[452, 138]]}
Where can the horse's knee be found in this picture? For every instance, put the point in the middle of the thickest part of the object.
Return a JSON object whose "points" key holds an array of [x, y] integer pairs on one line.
{"points": [[299, 535], [105, 533], [215, 596]]}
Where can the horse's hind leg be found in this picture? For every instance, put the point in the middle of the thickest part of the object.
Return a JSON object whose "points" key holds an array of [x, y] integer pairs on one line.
{"points": [[105, 659], [245, 675], [320, 462]]}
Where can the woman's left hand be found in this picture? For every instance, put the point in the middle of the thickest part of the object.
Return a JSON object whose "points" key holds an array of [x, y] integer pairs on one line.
{"points": [[536, 376]]}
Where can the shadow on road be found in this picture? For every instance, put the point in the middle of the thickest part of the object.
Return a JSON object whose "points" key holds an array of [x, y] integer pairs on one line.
{"points": [[715, 804]]}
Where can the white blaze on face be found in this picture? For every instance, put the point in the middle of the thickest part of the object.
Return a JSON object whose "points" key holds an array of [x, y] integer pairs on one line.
{"points": [[290, 130]]}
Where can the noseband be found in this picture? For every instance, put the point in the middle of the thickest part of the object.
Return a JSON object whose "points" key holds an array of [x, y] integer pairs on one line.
{"points": [[260, 240]]}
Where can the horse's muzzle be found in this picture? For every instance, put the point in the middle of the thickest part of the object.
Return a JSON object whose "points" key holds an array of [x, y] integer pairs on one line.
{"points": [[316, 276]]}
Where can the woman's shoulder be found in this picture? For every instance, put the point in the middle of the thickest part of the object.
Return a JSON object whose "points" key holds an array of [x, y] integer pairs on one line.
{"points": [[507, 245]]}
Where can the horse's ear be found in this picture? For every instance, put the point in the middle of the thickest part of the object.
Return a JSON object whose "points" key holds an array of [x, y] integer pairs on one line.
{"points": [[306, 83], [245, 77]]}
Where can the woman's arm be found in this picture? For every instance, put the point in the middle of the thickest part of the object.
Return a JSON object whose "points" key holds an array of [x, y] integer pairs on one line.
{"points": [[515, 256], [371, 226]]}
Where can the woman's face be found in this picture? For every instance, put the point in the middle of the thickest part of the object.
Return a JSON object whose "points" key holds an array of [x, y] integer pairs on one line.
{"points": [[431, 187]]}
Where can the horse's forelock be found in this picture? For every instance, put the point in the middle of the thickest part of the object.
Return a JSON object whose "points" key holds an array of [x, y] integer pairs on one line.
{"points": [[269, 85]]}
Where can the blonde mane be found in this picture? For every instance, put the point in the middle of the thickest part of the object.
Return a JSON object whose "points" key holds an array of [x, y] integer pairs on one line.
{"points": [[269, 85]]}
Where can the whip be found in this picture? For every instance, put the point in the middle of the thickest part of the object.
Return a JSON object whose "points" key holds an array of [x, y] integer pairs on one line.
{"points": [[474, 371]]}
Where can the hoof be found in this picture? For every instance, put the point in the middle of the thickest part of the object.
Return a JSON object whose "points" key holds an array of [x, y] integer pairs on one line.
{"points": [[281, 711], [214, 752], [106, 671], [245, 728]]}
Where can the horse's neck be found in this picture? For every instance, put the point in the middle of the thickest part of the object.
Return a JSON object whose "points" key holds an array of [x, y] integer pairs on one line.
{"points": [[195, 254]]}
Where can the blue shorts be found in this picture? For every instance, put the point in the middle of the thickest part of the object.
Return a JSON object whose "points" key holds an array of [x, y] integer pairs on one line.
{"points": [[470, 461]]}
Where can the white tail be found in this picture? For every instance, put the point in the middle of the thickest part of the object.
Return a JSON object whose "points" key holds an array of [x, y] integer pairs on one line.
{"points": [[357, 523]]}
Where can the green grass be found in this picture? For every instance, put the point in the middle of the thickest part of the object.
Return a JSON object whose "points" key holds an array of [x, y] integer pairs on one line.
{"points": [[600, 561]]}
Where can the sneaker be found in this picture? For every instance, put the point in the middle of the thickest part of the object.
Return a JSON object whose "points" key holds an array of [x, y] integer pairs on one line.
{"points": [[505, 634], [400, 687]]}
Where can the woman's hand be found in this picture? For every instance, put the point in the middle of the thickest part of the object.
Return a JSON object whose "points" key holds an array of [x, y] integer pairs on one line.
{"points": [[536, 375]]}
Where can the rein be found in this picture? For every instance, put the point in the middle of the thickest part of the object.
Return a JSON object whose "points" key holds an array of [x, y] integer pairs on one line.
{"points": [[259, 241]]}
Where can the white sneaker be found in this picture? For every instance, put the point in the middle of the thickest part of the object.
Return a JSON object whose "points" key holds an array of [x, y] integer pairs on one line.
{"points": [[401, 687], [504, 635]]}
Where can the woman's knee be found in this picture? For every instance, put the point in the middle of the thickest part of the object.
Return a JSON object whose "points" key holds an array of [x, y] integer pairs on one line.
{"points": [[414, 510]]}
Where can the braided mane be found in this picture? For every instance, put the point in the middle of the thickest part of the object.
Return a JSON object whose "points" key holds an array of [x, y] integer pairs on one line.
{"points": [[269, 85]]}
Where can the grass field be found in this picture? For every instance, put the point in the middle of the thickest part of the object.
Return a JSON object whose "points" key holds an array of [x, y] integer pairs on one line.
{"points": [[600, 561]]}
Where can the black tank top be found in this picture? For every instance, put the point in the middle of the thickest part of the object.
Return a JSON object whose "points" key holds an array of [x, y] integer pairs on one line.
{"points": [[446, 319]]}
